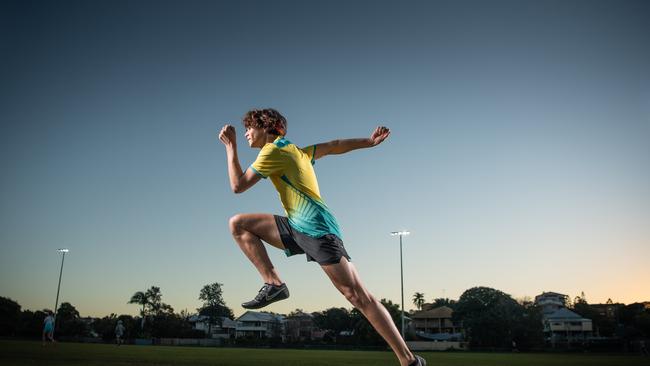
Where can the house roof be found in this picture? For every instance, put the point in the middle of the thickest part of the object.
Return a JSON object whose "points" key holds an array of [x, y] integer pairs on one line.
{"points": [[260, 317], [550, 294], [439, 312], [228, 323], [563, 314]]}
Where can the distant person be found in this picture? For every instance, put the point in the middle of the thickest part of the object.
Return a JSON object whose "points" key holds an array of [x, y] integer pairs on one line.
{"points": [[644, 350], [48, 327], [310, 227], [119, 332]]}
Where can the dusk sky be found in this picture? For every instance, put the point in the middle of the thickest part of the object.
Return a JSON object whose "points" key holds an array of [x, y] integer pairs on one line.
{"points": [[519, 157]]}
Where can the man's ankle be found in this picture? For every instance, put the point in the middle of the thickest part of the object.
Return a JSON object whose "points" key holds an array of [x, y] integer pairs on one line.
{"points": [[411, 360]]}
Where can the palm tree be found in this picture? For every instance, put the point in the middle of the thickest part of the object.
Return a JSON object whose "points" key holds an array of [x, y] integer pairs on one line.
{"points": [[140, 298], [418, 300]]}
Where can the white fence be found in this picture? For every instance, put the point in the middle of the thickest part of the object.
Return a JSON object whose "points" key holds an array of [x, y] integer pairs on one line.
{"points": [[189, 342], [436, 346]]}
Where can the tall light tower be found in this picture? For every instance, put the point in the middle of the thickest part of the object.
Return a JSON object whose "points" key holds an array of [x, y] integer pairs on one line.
{"points": [[56, 304], [401, 268]]}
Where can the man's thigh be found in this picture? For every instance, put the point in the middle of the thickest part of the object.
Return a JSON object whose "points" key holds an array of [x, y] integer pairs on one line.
{"points": [[263, 226]]}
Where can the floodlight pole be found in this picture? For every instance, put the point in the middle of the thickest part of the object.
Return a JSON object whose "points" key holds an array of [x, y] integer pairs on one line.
{"points": [[401, 270], [56, 304]]}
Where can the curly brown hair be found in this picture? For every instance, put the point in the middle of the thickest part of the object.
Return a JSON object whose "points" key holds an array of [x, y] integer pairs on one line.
{"points": [[269, 119]]}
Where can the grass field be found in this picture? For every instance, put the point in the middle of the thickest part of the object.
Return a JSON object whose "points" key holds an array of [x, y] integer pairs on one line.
{"points": [[32, 353]]}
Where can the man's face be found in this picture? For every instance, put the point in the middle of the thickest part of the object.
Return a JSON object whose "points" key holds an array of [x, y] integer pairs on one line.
{"points": [[256, 137]]}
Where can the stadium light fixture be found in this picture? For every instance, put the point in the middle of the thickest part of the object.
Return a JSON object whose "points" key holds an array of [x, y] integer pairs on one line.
{"points": [[56, 303]]}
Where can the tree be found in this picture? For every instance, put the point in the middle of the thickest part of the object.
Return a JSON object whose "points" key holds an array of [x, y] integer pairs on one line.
{"points": [[214, 307], [489, 316], [66, 312], [165, 309], [525, 301], [151, 302], [335, 320], [67, 321], [167, 324], [528, 327], [154, 296], [105, 327], [31, 323], [9, 316], [141, 299], [634, 321], [418, 300], [444, 302], [212, 294], [582, 308], [296, 312]]}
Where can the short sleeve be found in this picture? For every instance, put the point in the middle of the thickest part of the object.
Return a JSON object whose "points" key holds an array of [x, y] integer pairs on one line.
{"points": [[311, 152], [269, 161]]}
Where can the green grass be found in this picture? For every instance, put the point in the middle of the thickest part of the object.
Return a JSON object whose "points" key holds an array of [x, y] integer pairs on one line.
{"points": [[32, 353]]}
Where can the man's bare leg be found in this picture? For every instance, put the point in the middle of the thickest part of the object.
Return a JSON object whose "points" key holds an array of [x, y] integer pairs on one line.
{"points": [[249, 230], [346, 279]]}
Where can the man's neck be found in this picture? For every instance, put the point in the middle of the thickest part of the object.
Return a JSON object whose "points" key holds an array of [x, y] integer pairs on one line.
{"points": [[270, 138]]}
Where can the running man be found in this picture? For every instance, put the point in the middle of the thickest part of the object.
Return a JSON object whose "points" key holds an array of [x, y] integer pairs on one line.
{"points": [[309, 227], [48, 328]]}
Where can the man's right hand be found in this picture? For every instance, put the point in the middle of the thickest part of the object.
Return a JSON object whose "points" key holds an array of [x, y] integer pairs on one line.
{"points": [[228, 136], [379, 135]]}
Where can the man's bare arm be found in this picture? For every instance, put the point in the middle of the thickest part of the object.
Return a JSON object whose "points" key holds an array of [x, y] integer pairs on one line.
{"points": [[239, 181], [335, 147]]}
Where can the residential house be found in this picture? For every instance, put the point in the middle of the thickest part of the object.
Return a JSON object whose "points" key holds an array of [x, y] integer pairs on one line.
{"points": [[260, 325], [436, 324], [225, 330], [565, 326], [561, 325]]}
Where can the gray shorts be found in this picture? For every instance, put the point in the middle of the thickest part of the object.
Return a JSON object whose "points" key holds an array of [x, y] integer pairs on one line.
{"points": [[327, 249]]}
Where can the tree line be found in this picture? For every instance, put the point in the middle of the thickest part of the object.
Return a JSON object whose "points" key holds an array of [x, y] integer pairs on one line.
{"points": [[157, 319], [493, 319], [490, 319]]}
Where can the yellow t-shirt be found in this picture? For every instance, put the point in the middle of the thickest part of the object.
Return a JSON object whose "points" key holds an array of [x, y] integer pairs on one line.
{"points": [[292, 173]]}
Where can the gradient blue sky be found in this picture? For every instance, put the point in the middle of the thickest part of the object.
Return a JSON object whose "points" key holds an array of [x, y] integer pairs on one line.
{"points": [[519, 158]]}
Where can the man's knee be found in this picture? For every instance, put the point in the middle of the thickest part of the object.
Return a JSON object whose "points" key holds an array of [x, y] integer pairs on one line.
{"points": [[236, 224], [357, 296]]}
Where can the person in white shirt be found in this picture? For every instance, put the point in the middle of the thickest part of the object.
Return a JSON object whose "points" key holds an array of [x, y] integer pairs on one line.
{"points": [[48, 327], [119, 333]]}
